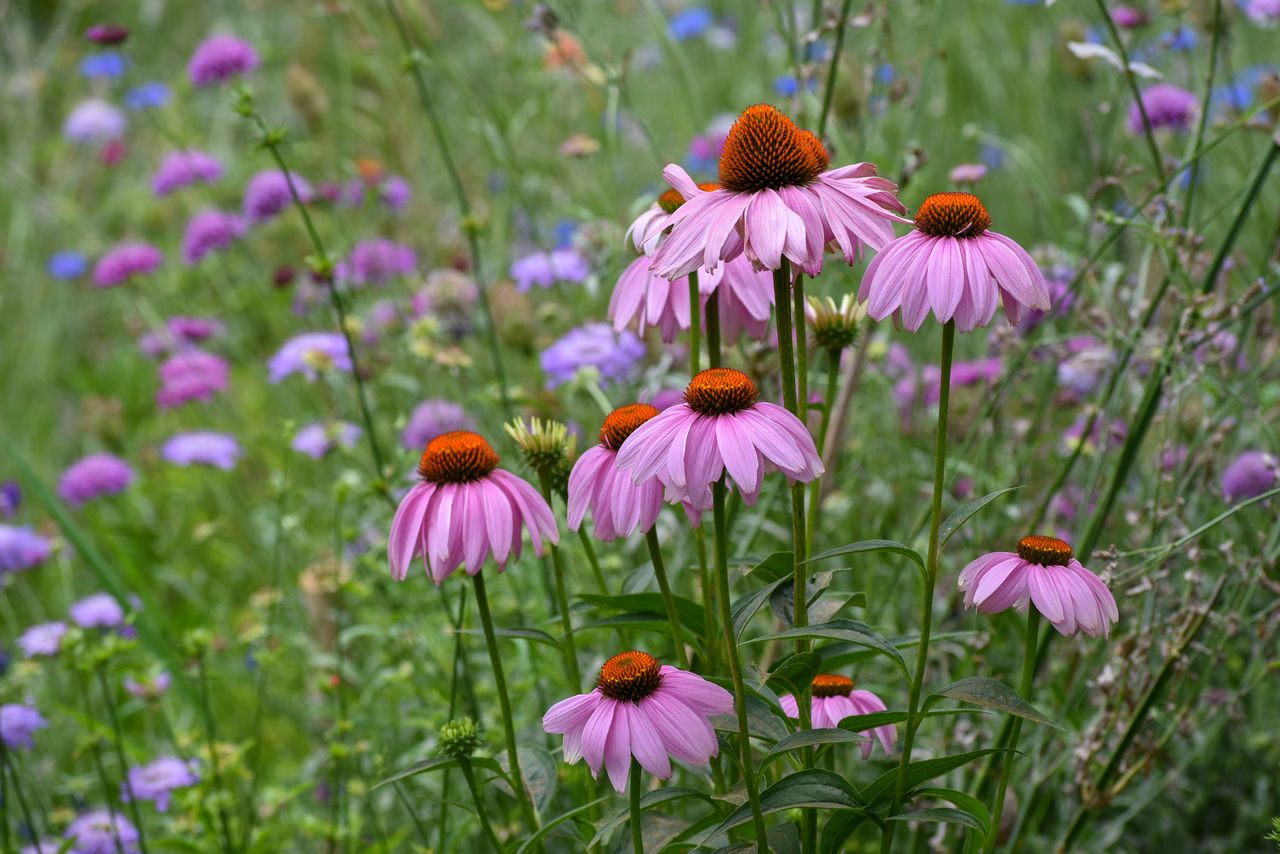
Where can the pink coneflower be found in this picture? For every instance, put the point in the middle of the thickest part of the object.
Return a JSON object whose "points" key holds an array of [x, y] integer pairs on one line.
{"points": [[182, 169], [953, 264], [834, 699], [721, 427], [776, 200], [220, 58], [124, 262], [618, 506], [465, 509], [192, 375], [643, 709], [1043, 572], [209, 231]]}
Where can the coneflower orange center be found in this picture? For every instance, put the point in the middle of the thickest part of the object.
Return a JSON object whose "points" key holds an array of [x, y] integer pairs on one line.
{"points": [[832, 685], [457, 457], [622, 422], [631, 675], [1045, 551], [672, 199], [952, 215], [765, 150], [719, 391]]}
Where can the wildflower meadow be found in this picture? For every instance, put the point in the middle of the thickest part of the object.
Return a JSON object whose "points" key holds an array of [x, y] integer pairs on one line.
{"points": [[640, 426]]}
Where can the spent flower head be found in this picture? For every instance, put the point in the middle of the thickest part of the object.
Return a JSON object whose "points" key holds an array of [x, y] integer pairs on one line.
{"points": [[545, 445], [835, 325], [458, 739]]}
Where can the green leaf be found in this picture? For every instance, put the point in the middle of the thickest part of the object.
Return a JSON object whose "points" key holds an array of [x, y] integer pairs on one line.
{"points": [[922, 771], [555, 822], [435, 763], [779, 839], [945, 815], [607, 828], [762, 721], [783, 601], [838, 829], [991, 694], [776, 566], [840, 655], [795, 672], [536, 635], [872, 546], [690, 612], [963, 513], [745, 608], [813, 788], [809, 738], [965, 801], [539, 771], [849, 631]]}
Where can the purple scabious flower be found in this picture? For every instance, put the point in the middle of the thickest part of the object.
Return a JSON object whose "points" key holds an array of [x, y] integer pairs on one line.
{"points": [[1264, 12], [179, 333], [124, 261], [375, 262], [18, 723], [100, 832], [209, 231], [10, 498], [94, 121], [181, 169], [546, 268], [191, 375], [93, 477], [395, 193], [433, 418], [267, 194], [1249, 475], [148, 689], [317, 440], [99, 611], [42, 639], [1167, 106], [157, 780], [202, 447], [147, 96], [21, 548], [219, 58], [67, 265], [596, 345], [1129, 17], [309, 354]]}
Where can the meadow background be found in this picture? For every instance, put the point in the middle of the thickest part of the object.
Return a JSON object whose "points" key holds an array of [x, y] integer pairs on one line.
{"points": [[304, 674]]}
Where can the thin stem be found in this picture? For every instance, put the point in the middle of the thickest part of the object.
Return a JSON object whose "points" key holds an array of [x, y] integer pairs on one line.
{"points": [[590, 551], [633, 792], [1156, 159], [931, 577], [1030, 643], [707, 585], [570, 646], [454, 683], [7, 767], [695, 325], [504, 702], [802, 349], [713, 329], [735, 662], [668, 600], [4, 796], [829, 93], [117, 738], [413, 816], [211, 742], [465, 764], [815, 488]]}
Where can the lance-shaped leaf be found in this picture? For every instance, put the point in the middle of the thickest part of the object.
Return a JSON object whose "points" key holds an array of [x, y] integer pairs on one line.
{"points": [[868, 546], [965, 512], [849, 631], [990, 694]]}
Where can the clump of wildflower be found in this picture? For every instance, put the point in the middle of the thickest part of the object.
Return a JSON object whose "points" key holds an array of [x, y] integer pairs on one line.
{"points": [[267, 194], [179, 333], [318, 440], [106, 65], [148, 688], [67, 265], [1167, 107], [209, 231], [181, 169], [310, 354], [99, 611], [191, 376], [1249, 475], [102, 832], [157, 780], [43, 639], [148, 96], [10, 498], [595, 345], [376, 262], [433, 418], [219, 58], [544, 269], [93, 477], [458, 739], [106, 34], [835, 326]]}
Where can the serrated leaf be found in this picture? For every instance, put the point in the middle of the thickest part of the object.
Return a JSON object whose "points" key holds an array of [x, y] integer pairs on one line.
{"points": [[963, 513], [809, 738], [849, 631], [813, 788], [990, 694], [795, 672], [865, 546], [607, 828]]}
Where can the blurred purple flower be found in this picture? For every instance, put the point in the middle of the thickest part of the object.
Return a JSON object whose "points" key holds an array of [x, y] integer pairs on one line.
{"points": [[596, 345], [220, 58], [191, 375], [309, 354], [18, 723], [157, 780], [202, 447], [546, 268], [109, 34], [179, 334], [42, 639], [1265, 12], [1249, 475], [375, 262], [148, 689], [1115, 433], [267, 194], [94, 121], [10, 498], [106, 65], [431, 418], [395, 193], [1129, 17], [1167, 106], [99, 832], [1086, 360], [666, 398], [99, 611], [124, 261], [21, 549], [967, 173], [93, 477], [181, 169], [209, 231], [317, 440]]}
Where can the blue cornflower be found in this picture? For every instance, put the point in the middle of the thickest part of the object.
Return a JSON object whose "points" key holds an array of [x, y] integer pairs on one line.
{"points": [[148, 96], [67, 265], [107, 64], [691, 23]]}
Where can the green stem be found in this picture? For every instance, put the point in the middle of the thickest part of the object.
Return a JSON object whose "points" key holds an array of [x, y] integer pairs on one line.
{"points": [[7, 766], [829, 93], [4, 796], [802, 350], [1156, 159], [570, 646], [211, 742], [590, 551], [117, 739], [465, 764], [504, 703], [633, 792], [931, 578], [668, 600], [695, 325], [815, 488], [735, 662], [707, 584], [1028, 681], [713, 328]]}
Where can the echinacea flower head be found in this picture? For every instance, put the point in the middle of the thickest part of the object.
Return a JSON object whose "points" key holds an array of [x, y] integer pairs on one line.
{"points": [[191, 375], [642, 709], [181, 169], [834, 699], [615, 355], [126, 261], [546, 445], [219, 58], [721, 428], [544, 269], [267, 194], [202, 447], [310, 354], [18, 725], [952, 264], [1168, 107], [93, 477], [94, 121], [318, 440], [102, 832], [209, 231], [21, 549], [1249, 475], [1044, 574], [431, 418], [98, 611], [618, 506], [776, 199], [458, 739], [42, 639], [465, 510], [157, 780]]}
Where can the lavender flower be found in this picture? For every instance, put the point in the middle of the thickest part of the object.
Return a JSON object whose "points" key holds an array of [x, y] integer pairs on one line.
{"points": [[182, 169], [432, 418], [202, 447], [93, 477], [1167, 106], [99, 611], [209, 231], [94, 121], [596, 345], [125, 261], [157, 780], [317, 440], [99, 832], [220, 58], [42, 639], [1249, 475], [191, 375], [546, 268], [18, 723], [309, 354], [21, 548], [375, 262], [267, 194]]}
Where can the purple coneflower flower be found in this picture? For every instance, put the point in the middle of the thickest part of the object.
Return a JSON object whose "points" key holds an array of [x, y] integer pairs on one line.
{"points": [[191, 375], [157, 780], [1167, 106], [465, 509], [375, 262], [952, 264], [432, 418], [94, 121], [101, 832], [202, 447], [776, 199], [18, 723], [219, 58], [317, 440], [125, 261], [309, 354], [544, 269], [1249, 475], [21, 549], [618, 506], [181, 169], [93, 477], [722, 427], [834, 699], [643, 709], [267, 194], [99, 611], [1045, 573], [596, 345], [209, 231], [42, 639]]}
